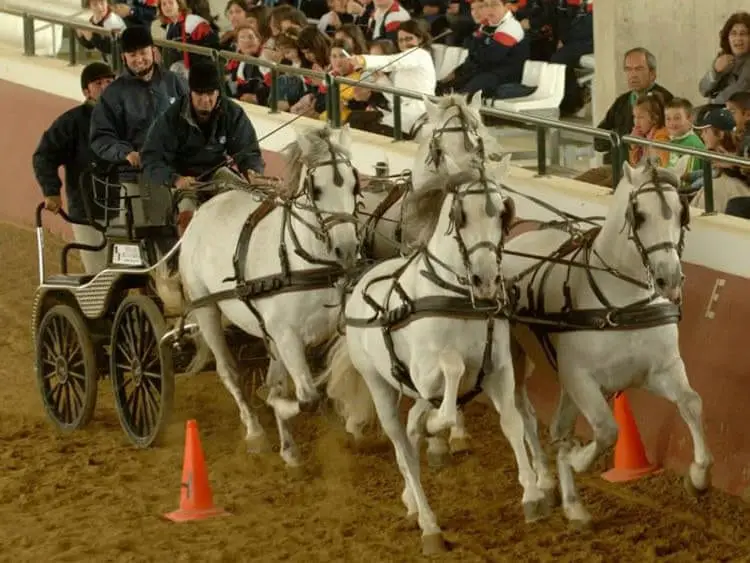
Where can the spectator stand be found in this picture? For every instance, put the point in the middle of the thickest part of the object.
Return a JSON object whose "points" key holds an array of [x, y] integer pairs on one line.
{"points": [[544, 126]]}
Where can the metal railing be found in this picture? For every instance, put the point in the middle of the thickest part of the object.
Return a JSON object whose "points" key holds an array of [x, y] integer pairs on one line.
{"points": [[542, 125]]}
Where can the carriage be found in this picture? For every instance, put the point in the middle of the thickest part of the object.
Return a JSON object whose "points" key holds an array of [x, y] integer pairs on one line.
{"points": [[115, 324]]}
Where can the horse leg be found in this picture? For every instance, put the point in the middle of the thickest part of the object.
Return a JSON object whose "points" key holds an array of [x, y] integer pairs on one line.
{"points": [[209, 322], [452, 366], [459, 438], [545, 480], [415, 431], [277, 380], [499, 387], [385, 398], [672, 384], [561, 431], [291, 351]]}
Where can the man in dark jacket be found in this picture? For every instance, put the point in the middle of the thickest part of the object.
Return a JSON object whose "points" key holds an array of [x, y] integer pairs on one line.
{"points": [[575, 34], [130, 105], [640, 69], [66, 143], [193, 140]]}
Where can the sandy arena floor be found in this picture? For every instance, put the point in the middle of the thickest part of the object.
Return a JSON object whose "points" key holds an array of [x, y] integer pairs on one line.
{"points": [[92, 497]]}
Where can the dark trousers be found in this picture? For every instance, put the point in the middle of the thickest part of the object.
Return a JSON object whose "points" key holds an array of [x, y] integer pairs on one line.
{"points": [[570, 55]]}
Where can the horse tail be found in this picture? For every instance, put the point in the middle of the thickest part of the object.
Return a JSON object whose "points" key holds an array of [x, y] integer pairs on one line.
{"points": [[347, 388]]}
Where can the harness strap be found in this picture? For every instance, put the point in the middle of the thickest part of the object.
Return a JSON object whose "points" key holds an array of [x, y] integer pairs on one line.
{"points": [[396, 192]]}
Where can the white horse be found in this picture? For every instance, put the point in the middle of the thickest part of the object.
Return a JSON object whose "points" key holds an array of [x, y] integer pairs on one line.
{"points": [[621, 330], [293, 244], [452, 127], [424, 326]]}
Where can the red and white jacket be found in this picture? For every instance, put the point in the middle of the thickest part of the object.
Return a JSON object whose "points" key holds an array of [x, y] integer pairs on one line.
{"points": [[385, 24], [192, 29]]}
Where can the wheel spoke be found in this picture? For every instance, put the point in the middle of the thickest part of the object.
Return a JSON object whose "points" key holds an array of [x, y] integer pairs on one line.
{"points": [[126, 353], [69, 410], [78, 388], [137, 423], [152, 402]]}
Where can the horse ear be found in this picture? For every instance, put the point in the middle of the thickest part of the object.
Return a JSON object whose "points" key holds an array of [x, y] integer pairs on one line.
{"points": [[628, 172], [476, 101], [681, 166], [345, 137], [304, 142], [433, 113]]}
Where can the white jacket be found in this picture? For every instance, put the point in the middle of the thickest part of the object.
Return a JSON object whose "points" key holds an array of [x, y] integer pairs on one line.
{"points": [[411, 70]]}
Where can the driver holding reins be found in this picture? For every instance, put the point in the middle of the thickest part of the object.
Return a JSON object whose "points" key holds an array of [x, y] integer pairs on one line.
{"points": [[191, 143]]}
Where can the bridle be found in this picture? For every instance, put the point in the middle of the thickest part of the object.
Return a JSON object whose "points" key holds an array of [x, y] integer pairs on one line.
{"points": [[305, 200], [436, 152], [661, 185], [481, 186]]}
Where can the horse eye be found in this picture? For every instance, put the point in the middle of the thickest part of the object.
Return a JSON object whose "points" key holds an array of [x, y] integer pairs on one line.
{"points": [[638, 219], [316, 193]]}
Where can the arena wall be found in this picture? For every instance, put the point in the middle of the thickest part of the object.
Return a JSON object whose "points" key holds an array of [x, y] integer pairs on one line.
{"points": [[712, 333]]}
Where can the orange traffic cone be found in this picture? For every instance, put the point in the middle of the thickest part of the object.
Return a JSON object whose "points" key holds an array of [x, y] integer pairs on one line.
{"points": [[196, 500], [630, 456]]}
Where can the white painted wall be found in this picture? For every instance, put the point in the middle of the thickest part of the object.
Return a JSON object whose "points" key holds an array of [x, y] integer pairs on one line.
{"points": [[719, 242], [48, 37]]}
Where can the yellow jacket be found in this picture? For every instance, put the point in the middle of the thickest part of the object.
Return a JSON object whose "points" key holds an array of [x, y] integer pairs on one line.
{"points": [[346, 93]]}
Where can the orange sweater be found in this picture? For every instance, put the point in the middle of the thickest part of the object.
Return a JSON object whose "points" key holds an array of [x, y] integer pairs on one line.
{"points": [[637, 152]]}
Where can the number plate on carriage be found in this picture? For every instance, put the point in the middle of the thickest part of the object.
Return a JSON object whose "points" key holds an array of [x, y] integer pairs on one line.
{"points": [[126, 255]]}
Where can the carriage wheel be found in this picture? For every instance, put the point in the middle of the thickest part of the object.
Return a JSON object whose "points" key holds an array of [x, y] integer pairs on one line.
{"points": [[141, 370], [66, 368]]}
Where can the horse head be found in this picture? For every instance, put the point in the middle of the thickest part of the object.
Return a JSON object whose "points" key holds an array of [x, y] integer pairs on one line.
{"points": [[325, 184], [656, 217], [462, 219]]}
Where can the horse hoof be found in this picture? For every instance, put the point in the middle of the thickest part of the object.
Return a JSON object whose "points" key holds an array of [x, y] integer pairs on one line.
{"points": [[578, 517], [692, 490], [258, 444], [437, 460], [291, 458], [433, 544], [310, 405], [536, 510], [552, 496], [459, 446]]}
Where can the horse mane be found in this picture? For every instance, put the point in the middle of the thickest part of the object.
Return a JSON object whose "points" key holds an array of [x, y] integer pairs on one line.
{"points": [[421, 208], [321, 143], [663, 179]]}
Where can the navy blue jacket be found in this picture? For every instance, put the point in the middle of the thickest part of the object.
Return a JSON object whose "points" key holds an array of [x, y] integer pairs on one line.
{"points": [[575, 22], [178, 146], [126, 110], [500, 50], [66, 143]]}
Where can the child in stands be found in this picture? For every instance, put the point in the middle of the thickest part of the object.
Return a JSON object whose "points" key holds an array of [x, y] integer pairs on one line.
{"points": [[715, 127], [678, 119], [648, 117], [102, 16]]}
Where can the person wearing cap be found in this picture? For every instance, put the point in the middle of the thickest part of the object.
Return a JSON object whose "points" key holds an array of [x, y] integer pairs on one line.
{"points": [[66, 143], [130, 105], [192, 141], [715, 127]]}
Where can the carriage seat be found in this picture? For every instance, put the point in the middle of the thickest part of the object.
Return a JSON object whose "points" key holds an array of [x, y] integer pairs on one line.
{"points": [[68, 280]]}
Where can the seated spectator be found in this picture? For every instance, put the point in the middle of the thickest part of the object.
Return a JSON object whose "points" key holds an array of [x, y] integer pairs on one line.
{"points": [[352, 35], [280, 18], [313, 9], [246, 81], [185, 27], [237, 13], [538, 18], [575, 38], [640, 69], [648, 119], [203, 9], [434, 13], [497, 52], [136, 12], [413, 71], [315, 47], [335, 17], [259, 18], [678, 119], [385, 20], [290, 88], [738, 105], [361, 10], [730, 71], [459, 14], [101, 16], [715, 128], [341, 66]]}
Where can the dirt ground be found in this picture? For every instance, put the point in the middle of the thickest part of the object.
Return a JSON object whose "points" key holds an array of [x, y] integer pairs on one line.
{"points": [[91, 496]]}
